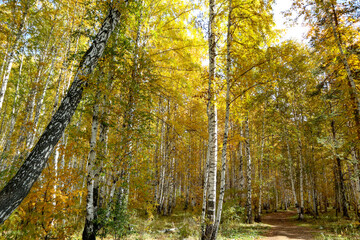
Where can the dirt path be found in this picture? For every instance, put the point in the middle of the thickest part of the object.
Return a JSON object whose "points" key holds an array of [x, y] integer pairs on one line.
{"points": [[282, 227]]}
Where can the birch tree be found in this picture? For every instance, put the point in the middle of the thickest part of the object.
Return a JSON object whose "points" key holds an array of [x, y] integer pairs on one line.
{"points": [[248, 205], [19, 186], [212, 130], [92, 180], [226, 124], [14, 47]]}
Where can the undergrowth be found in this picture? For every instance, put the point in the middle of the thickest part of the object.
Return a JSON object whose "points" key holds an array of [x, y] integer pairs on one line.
{"points": [[187, 226], [332, 226]]}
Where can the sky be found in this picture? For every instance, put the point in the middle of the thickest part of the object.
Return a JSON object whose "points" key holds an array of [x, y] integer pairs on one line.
{"points": [[291, 32]]}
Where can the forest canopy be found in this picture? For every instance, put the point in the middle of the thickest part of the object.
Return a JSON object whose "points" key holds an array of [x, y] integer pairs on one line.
{"points": [[117, 110]]}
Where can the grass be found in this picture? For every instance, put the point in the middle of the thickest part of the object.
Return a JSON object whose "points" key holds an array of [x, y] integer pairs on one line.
{"points": [[238, 230], [332, 227], [187, 225]]}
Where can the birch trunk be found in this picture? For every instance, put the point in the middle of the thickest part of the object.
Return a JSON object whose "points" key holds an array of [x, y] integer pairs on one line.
{"points": [[13, 111], [19, 186], [292, 180], [226, 127], [354, 95], [340, 175], [156, 158], [27, 130], [241, 166], [356, 183], [102, 154], [325, 196], [40, 103], [314, 185], [11, 56], [129, 117], [90, 227], [301, 180], [212, 129], [34, 92], [258, 217], [249, 217], [6, 53], [205, 188], [276, 193]]}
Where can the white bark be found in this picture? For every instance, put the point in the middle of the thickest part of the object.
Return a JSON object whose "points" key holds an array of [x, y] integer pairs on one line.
{"points": [[249, 218], [40, 103], [226, 126], [212, 129], [13, 111], [260, 165], [301, 180], [34, 91], [292, 180], [241, 165], [129, 116], [11, 56], [91, 200], [205, 188], [339, 172]]}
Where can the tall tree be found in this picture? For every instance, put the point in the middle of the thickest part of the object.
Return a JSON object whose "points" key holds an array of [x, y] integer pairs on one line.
{"points": [[226, 124], [212, 130], [19, 186]]}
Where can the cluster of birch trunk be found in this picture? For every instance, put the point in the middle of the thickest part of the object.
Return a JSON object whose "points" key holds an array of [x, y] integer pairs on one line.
{"points": [[245, 133]]}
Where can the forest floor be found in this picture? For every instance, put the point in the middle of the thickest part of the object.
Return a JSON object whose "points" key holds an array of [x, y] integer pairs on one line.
{"points": [[280, 225], [283, 226]]}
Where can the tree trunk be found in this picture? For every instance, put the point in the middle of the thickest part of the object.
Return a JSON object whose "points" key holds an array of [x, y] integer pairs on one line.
{"points": [[354, 95], [249, 218], [314, 185], [205, 188], [241, 166], [276, 193], [301, 180], [212, 129], [40, 102], [19, 186], [13, 112], [292, 180], [90, 228], [356, 183], [11, 56], [339, 173], [258, 217], [226, 127]]}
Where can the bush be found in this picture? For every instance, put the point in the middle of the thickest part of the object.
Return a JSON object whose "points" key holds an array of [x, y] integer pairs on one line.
{"points": [[116, 223], [233, 213]]}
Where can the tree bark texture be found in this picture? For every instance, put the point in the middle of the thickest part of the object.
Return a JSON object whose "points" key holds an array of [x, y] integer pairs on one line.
{"points": [[212, 129], [292, 180], [90, 228], [258, 217], [241, 166], [301, 180], [249, 217], [226, 127]]}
